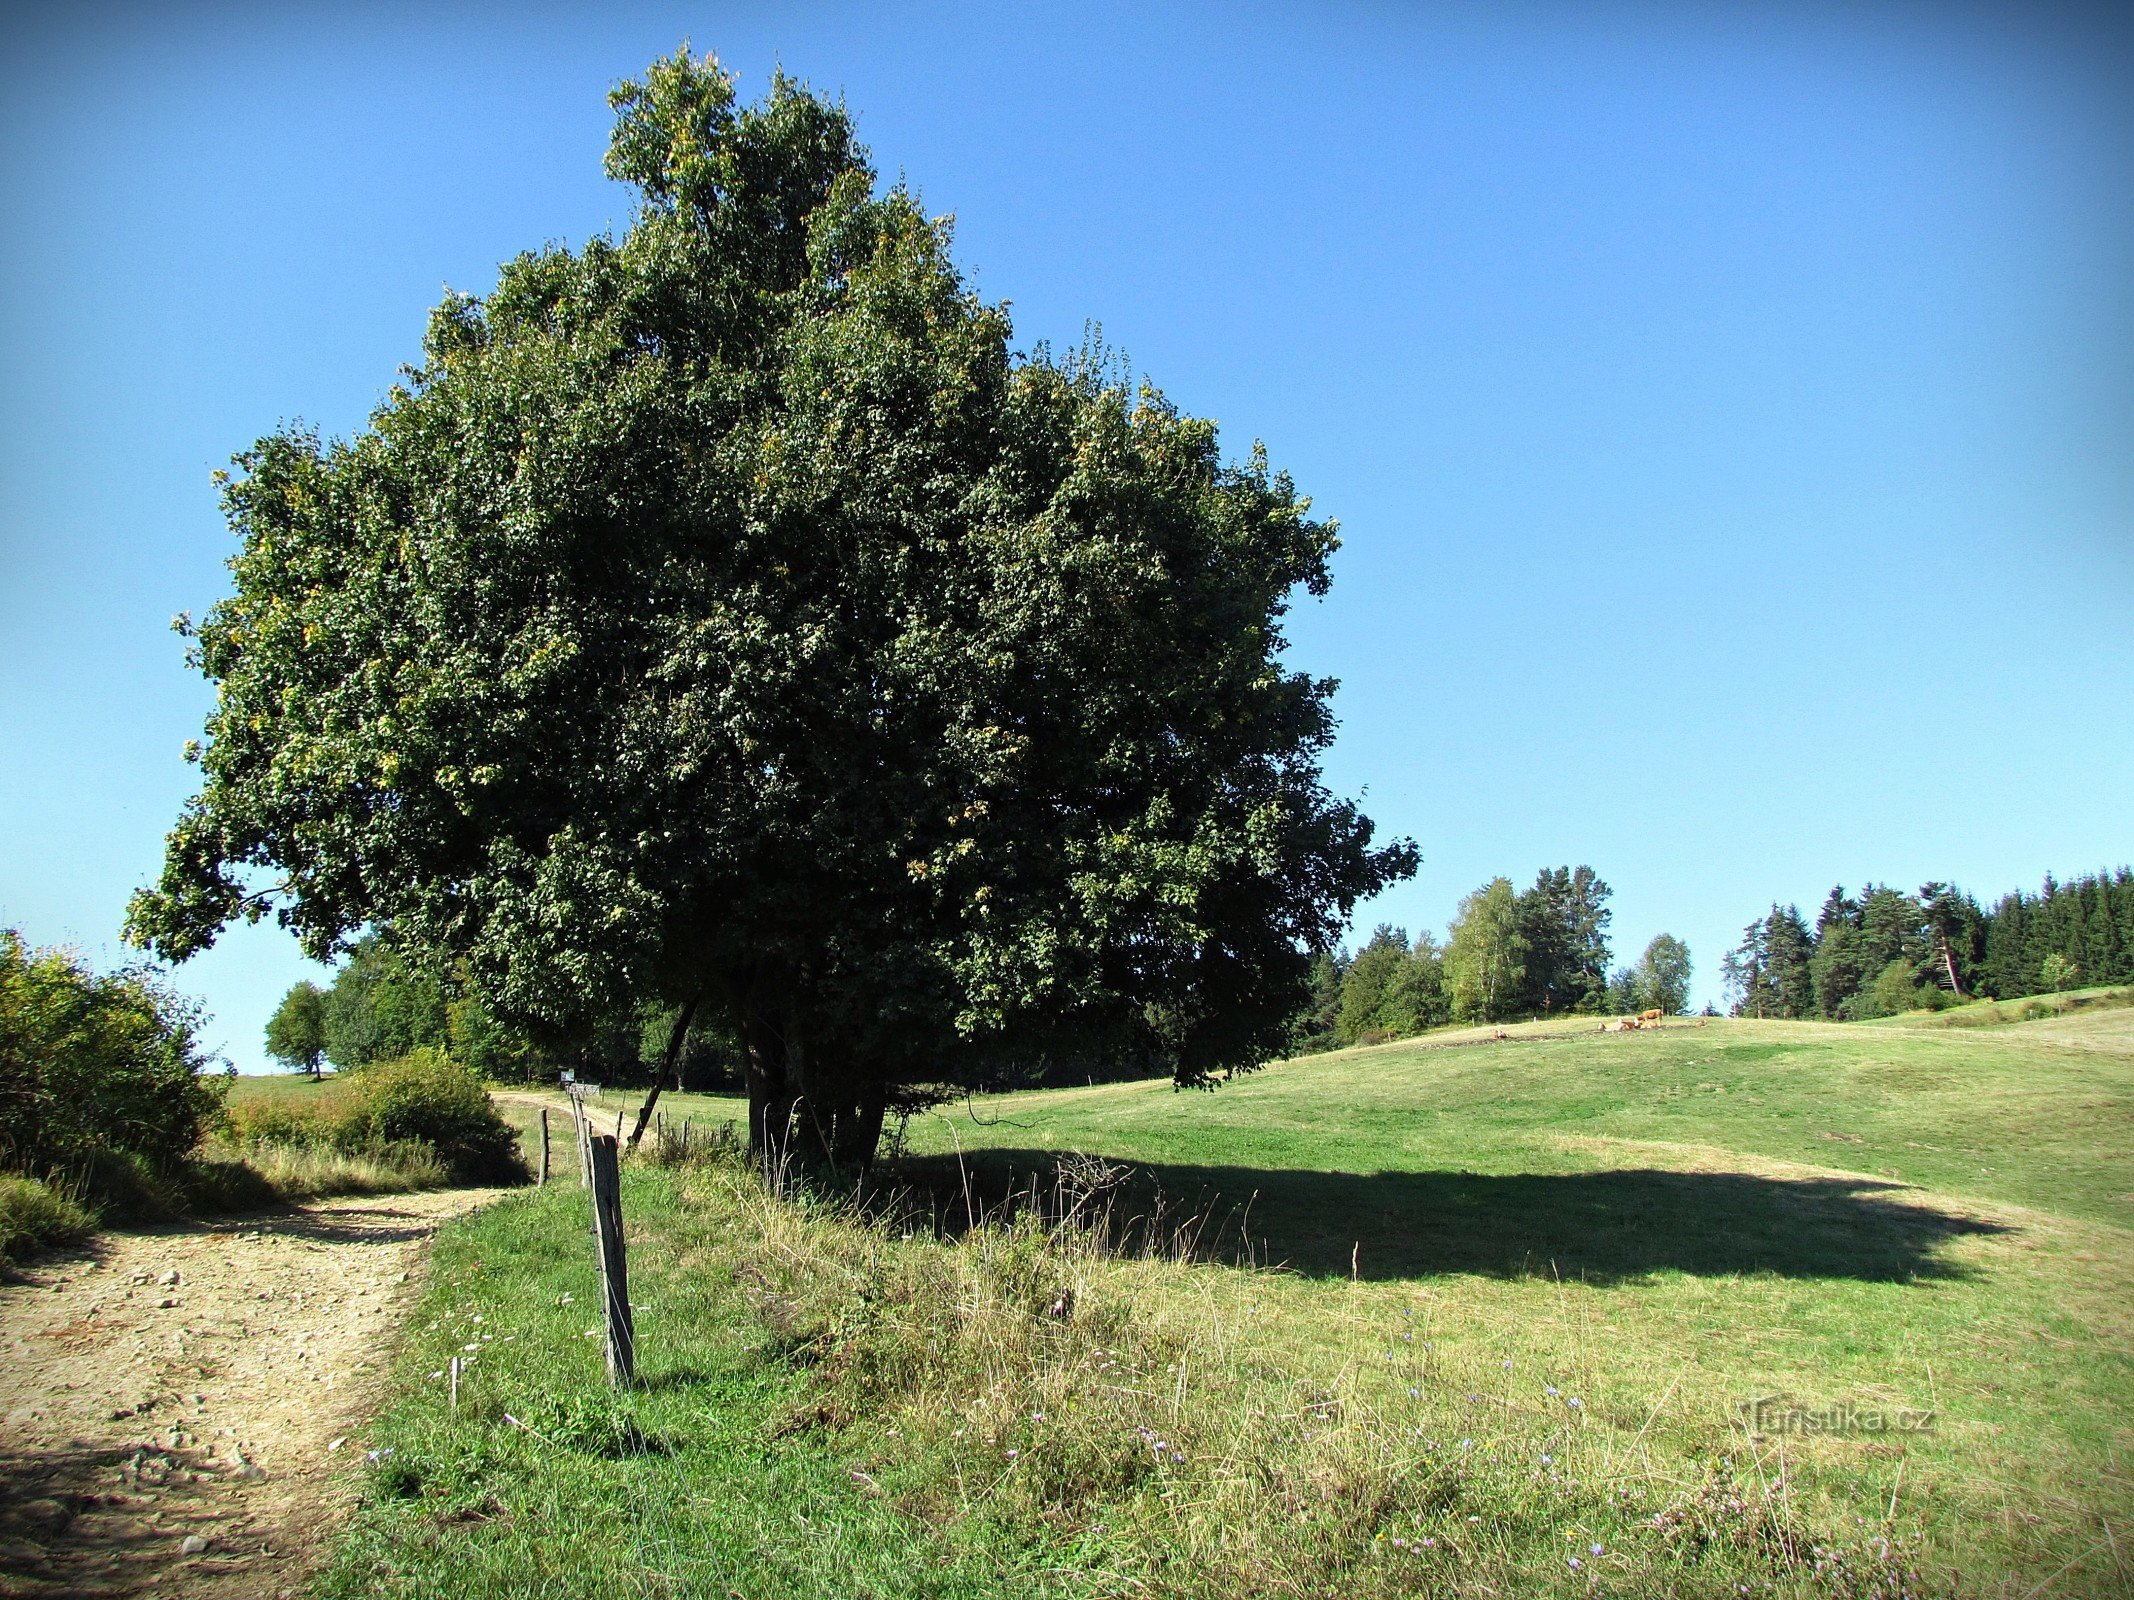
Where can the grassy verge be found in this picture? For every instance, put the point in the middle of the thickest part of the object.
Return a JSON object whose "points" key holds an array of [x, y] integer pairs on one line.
{"points": [[402, 1127], [837, 1404], [1995, 1013], [34, 1215], [296, 1172], [1863, 1224]]}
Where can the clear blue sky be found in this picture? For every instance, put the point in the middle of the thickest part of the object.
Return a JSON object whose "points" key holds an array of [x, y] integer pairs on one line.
{"points": [[1728, 408]]}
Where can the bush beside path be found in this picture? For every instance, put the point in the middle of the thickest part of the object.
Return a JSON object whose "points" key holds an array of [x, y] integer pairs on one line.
{"points": [[175, 1404]]}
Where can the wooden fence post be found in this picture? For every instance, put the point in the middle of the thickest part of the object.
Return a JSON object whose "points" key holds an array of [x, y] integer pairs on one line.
{"points": [[585, 1134], [614, 1265], [544, 1145]]}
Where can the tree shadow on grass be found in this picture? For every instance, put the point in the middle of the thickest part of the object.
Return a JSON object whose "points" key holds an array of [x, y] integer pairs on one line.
{"points": [[1598, 1227]]}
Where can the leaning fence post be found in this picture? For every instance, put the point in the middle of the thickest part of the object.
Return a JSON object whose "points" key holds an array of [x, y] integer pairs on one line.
{"points": [[614, 1265], [544, 1145]]}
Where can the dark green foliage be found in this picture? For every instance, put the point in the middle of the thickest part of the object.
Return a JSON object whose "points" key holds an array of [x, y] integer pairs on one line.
{"points": [[380, 1007], [1839, 968], [2088, 923], [1389, 988], [1564, 920], [1541, 953], [1415, 998], [1888, 951], [722, 614], [100, 1075], [1893, 927], [1789, 955], [1625, 995], [1370, 976], [1319, 1024], [1771, 972]]}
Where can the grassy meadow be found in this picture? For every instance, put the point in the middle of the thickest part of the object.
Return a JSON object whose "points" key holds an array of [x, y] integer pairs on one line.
{"points": [[1459, 1315]]}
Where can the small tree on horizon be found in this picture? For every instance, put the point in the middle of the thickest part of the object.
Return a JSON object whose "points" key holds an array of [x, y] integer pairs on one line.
{"points": [[2057, 973], [296, 1033], [1664, 974]]}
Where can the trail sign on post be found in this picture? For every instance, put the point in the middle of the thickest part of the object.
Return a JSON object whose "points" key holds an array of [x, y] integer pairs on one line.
{"points": [[614, 1265]]}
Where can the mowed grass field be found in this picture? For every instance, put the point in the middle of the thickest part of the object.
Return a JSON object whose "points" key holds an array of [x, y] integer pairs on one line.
{"points": [[1462, 1315]]}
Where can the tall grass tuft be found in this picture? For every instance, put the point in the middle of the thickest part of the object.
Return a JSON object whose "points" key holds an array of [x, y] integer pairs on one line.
{"points": [[34, 1214], [312, 1171]]}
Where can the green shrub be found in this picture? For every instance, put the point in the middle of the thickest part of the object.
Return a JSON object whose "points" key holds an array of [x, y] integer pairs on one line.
{"points": [[264, 1123], [1896, 991], [34, 1214], [100, 1076], [426, 1097], [1861, 1007]]}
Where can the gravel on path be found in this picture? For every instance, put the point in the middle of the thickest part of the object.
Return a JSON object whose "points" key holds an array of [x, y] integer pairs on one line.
{"points": [[178, 1406]]}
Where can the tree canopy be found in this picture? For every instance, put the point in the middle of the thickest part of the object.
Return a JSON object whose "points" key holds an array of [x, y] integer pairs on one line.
{"points": [[1485, 953], [1883, 950], [724, 617], [95, 1065], [296, 1033]]}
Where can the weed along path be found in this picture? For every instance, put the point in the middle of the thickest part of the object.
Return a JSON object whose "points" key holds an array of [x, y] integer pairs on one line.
{"points": [[175, 1404]]}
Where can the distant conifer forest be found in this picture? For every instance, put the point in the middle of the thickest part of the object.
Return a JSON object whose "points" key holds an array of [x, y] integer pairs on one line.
{"points": [[1883, 951]]}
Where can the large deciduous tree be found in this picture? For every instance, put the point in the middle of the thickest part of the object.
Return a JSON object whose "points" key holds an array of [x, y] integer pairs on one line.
{"points": [[722, 617], [1485, 953]]}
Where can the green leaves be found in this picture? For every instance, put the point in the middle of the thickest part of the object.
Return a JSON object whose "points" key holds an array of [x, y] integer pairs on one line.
{"points": [[94, 1063], [727, 610]]}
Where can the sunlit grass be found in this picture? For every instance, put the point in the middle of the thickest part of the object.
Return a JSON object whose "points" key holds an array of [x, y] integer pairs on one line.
{"points": [[1665, 1226]]}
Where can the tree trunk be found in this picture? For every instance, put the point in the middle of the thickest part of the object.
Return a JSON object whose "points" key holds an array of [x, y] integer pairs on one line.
{"points": [[770, 1094], [801, 1105], [859, 1130], [669, 1068]]}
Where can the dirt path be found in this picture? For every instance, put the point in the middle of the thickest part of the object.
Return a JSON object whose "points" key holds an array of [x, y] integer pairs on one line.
{"points": [[170, 1401]]}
